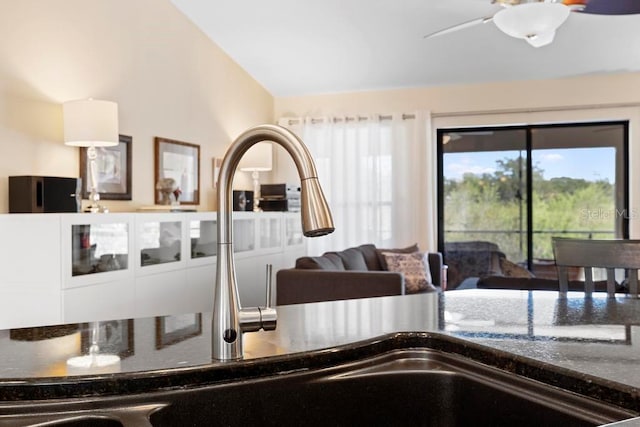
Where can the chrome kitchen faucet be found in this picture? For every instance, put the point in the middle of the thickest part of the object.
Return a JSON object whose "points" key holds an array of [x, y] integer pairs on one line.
{"points": [[230, 321]]}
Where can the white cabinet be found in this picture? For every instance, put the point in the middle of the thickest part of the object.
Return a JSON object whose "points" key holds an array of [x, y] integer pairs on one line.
{"points": [[79, 267], [278, 241], [30, 270], [163, 293], [295, 244], [200, 284], [110, 300]]}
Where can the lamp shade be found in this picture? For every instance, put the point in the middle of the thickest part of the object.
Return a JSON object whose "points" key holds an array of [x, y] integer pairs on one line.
{"points": [[535, 22], [258, 158], [90, 123]]}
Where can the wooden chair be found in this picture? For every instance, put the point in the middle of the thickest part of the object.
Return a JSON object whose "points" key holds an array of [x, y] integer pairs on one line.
{"points": [[589, 254]]}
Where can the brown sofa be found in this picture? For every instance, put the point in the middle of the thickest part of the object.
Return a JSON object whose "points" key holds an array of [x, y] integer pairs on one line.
{"points": [[357, 272]]}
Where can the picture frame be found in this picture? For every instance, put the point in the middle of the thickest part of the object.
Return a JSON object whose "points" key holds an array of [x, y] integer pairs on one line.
{"points": [[113, 170], [179, 161], [114, 337], [173, 329]]}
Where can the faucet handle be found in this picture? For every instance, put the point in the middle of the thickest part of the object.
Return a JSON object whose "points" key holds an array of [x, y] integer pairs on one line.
{"points": [[253, 319], [269, 285], [268, 313]]}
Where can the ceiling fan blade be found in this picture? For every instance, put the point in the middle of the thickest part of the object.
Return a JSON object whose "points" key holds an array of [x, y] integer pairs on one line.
{"points": [[608, 7], [461, 26]]}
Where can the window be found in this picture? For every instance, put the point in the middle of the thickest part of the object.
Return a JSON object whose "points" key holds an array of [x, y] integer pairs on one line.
{"points": [[367, 167], [509, 190]]}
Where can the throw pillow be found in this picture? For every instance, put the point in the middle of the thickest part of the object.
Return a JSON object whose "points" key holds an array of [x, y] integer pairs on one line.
{"points": [[408, 250], [511, 269], [414, 268]]}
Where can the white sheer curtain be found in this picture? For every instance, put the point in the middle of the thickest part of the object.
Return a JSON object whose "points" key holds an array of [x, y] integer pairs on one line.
{"points": [[370, 169]]}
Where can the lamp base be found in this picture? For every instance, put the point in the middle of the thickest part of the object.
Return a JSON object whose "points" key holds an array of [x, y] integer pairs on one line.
{"points": [[94, 206], [256, 191], [96, 209]]}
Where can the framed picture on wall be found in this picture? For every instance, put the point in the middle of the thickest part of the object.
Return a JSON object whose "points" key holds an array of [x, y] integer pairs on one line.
{"points": [[177, 171], [113, 171]]}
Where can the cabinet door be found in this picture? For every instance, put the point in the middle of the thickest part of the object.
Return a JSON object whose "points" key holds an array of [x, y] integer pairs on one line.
{"points": [[244, 234], [161, 244], [251, 276], [96, 249], [163, 293], [30, 271], [270, 232], [104, 301], [293, 237], [202, 239], [201, 282], [22, 308]]}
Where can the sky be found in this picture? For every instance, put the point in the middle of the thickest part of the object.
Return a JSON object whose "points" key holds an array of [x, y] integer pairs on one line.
{"points": [[588, 163]]}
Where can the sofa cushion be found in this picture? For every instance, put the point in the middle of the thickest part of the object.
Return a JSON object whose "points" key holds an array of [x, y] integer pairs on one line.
{"points": [[414, 268], [371, 258], [352, 259], [319, 263], [409, 249], [335, 260]]}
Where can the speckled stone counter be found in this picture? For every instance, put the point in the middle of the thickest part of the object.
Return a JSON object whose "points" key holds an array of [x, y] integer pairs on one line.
{"points": [[584, 345]]}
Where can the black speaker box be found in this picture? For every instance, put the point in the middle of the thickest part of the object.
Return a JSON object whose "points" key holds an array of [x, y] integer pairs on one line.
{"points": [[44, 194]]}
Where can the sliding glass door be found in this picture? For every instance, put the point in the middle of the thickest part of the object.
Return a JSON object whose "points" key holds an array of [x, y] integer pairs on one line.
{"points": [[509, 190], [484, 184]]}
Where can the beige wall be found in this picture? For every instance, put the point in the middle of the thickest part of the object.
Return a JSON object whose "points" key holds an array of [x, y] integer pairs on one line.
{"points": [[589, 98], [560, 93], [167, 77]]}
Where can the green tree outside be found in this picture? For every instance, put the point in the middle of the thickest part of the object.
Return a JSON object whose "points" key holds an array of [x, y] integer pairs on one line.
{"points": [[492, 207]]}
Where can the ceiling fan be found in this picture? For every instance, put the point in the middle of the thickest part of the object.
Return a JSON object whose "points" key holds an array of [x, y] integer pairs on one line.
{"points": [[536, 21]]}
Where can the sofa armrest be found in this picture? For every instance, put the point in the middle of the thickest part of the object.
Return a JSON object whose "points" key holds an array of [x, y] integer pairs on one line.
{"points": [[435, 267], [297, 286]]}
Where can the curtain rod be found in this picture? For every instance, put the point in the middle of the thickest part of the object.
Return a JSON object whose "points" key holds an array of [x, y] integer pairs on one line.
{"points": [[536, 110], [485, 112], [347, 119]]}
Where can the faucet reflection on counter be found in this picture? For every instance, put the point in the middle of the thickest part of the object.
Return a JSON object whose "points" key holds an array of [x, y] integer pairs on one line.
{"points": [[230, 321]]}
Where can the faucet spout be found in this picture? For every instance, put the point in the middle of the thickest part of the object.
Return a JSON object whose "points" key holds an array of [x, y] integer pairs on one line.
{"points": [[229, 319]]}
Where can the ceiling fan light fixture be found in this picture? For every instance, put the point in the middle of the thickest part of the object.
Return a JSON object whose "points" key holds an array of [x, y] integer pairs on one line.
{"points": [[535, 22], [541, 39]]}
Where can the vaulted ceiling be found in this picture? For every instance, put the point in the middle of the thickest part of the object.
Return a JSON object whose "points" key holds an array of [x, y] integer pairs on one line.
{"points": [[295, 47]]}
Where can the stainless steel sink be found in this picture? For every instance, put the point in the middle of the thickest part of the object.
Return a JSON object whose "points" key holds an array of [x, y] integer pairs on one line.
{"points": [[410, 386]]}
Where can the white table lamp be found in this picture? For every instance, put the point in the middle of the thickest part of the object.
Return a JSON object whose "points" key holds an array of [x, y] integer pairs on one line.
{"points": [[91, 123], [257, 159]]}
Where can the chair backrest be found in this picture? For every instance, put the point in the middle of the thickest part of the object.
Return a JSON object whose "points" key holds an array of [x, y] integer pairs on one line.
{"points": [[589, 254]]}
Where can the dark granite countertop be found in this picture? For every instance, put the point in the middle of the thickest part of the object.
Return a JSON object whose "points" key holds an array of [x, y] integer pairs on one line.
{"points": [[584, 345]]}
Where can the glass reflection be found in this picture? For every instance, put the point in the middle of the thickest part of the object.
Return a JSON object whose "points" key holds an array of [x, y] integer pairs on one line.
{"points": [[161, 242], [99, 248], [204, 238]]}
